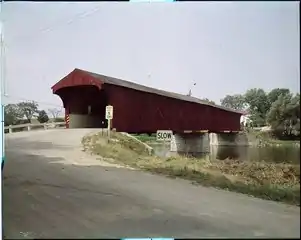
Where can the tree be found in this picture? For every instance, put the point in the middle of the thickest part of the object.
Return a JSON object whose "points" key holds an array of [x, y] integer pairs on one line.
{"points": [[208, 101], [236, 102], [54, 112], [43, 117], [12, 114], [258, 104], [28, 109], [284, 115], [275, 93]]}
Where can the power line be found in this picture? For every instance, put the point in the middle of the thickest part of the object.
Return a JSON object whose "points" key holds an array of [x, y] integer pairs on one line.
{"points": [[78, 16], [69, 21]]}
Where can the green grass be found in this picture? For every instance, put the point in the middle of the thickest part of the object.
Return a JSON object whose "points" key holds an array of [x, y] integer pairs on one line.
{"points": [[278, 182], [145, 137], [266, 139]]}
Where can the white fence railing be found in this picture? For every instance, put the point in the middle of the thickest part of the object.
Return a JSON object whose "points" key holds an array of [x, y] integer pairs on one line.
{"points": [[29, 127]]}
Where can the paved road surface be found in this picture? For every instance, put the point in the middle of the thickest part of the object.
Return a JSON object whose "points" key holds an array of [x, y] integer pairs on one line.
{"points": [[52, 189]]}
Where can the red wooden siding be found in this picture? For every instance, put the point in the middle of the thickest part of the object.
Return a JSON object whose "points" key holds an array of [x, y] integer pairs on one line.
{"points": [[138, 111]]}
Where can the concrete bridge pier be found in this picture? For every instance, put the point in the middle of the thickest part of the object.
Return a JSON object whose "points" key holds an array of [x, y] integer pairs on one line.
{"points": [[201, 142], [190, 143], [228, 139]]}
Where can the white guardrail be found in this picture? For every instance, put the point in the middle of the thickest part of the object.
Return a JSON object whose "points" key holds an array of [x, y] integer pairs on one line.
{"points": [[29, 127]]}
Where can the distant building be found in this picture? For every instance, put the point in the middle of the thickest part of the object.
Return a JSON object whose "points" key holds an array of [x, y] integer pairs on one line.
{"points": [[245, 120]]}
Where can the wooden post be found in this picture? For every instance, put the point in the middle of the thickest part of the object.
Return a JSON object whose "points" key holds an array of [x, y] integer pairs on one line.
{"points": [[109, 128], [109, 117]]}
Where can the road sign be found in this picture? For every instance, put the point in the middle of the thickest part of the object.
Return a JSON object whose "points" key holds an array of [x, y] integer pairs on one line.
{"points": [[109, 112], [164, 135]]}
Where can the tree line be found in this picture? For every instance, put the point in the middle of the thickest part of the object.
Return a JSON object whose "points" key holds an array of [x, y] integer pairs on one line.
{"points": [[278, 108], [24, 112]]}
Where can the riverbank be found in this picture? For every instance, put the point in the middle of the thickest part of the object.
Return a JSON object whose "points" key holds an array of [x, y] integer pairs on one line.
{"points": [[256, 138], [273, 181], [263, 139]]}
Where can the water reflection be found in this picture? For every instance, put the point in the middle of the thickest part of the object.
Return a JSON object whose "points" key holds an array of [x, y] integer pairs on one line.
{"points": [[278, 154]]}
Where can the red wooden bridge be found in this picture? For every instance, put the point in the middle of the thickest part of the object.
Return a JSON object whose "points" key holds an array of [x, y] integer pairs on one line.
{"points": [[137, 108]]}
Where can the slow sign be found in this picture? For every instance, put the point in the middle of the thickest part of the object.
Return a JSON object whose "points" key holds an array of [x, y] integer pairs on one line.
{"points": [[164, 135]]}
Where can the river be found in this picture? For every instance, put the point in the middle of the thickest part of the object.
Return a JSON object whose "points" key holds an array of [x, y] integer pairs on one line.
{"points": [[277, 154]]}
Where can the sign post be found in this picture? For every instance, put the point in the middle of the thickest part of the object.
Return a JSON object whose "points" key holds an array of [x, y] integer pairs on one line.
{"points": [[109, 117]]}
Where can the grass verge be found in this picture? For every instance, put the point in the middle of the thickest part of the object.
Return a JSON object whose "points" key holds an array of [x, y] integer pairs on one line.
{"points": [[272, 181], [146, 138], [263, 139]]}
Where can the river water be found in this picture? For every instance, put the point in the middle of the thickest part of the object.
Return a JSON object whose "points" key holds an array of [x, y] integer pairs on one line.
{"points": [[277, 154]]}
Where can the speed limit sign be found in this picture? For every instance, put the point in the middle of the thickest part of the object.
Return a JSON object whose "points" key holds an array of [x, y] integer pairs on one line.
{"points": [[109, 112]]}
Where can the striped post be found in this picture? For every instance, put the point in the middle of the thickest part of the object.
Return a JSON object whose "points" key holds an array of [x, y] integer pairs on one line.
{"points": [[67, 118]]}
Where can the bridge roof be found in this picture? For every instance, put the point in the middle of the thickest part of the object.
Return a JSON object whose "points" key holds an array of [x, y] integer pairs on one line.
{"points": [[127, 84]]}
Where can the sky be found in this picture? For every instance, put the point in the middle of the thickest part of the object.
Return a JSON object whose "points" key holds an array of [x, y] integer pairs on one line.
{"points": [[223, 47]]}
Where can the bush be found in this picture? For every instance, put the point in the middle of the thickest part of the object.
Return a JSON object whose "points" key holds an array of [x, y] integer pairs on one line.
{"points": [[43, 117]]}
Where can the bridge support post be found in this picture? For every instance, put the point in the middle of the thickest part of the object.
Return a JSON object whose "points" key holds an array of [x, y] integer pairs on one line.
{"points": [[190, 143], [229, 139], [193, 143]]}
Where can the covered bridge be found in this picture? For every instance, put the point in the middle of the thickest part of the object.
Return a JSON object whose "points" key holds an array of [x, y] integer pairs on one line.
{"points": [[137, 108]]}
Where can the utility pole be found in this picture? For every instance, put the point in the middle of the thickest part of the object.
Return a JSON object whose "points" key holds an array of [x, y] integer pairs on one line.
{"points": [[190, 90], [2, 80], [2, 108]]}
